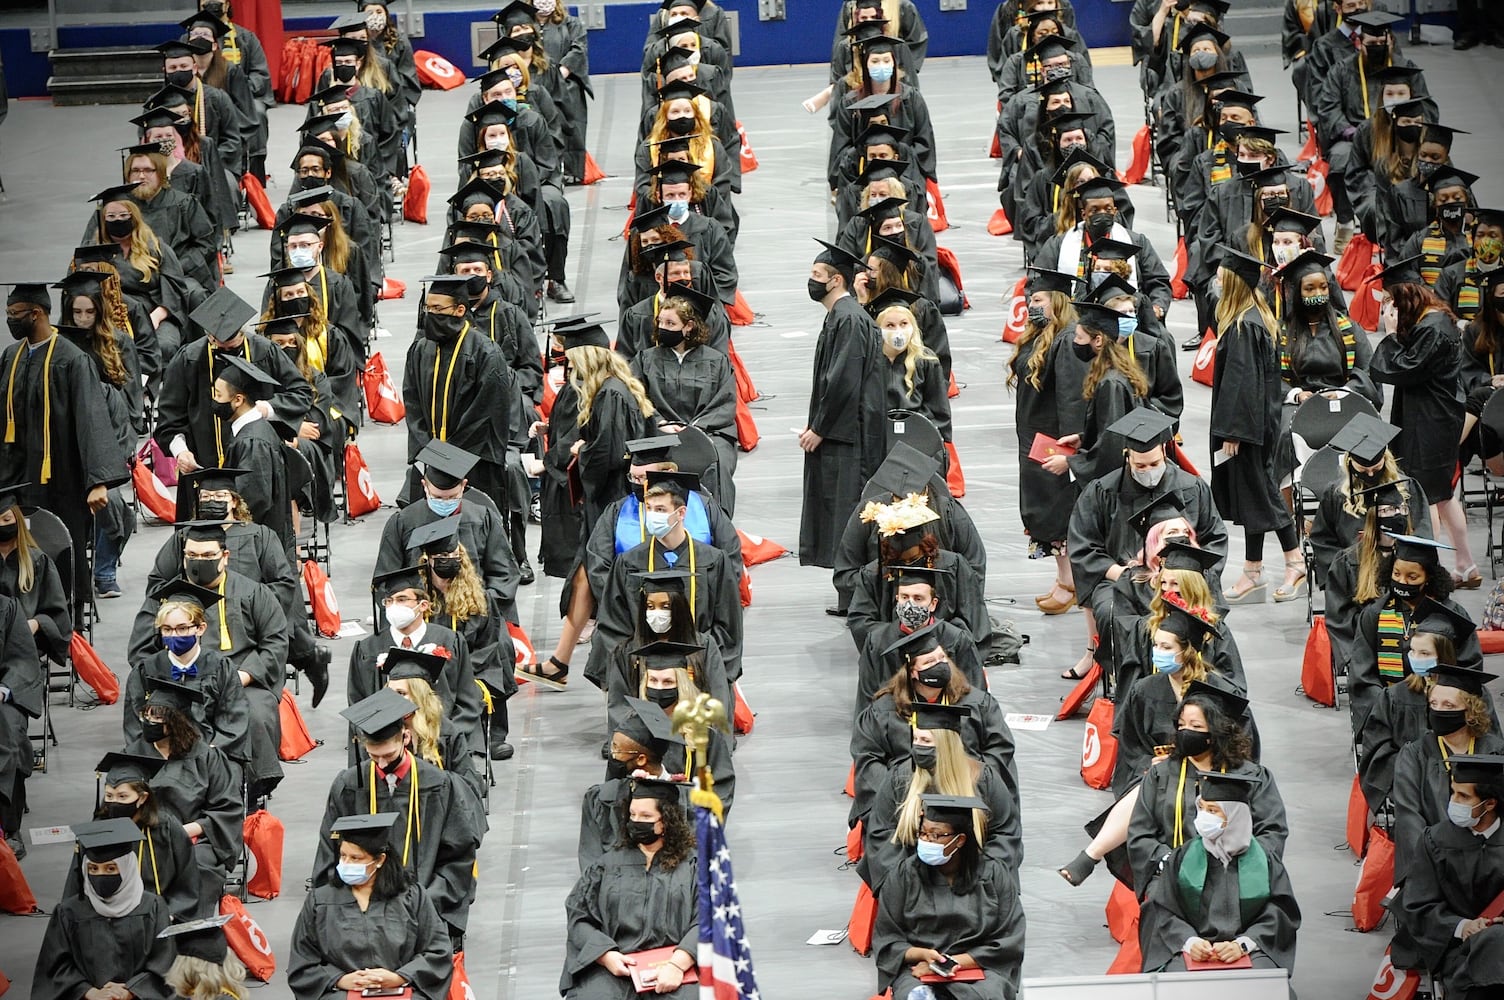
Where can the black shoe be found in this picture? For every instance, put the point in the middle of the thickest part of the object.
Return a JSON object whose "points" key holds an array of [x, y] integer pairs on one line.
{"points": [[502, 751], [559, 292], [837, 612], [1464, 42], [1191, 343], [17, 845], [527, 574], [318, 673]]}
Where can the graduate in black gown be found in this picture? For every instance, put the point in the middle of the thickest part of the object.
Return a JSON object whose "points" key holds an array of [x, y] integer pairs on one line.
{"points": [[1450, 903], [641, 737], [255, 445], [1113, 386], [373, 927], [54, 414], [106, 938], [22, 690], [899, 644], [641, 896], [843, 440], [1221, 896], [439, 829], [950, 900]]}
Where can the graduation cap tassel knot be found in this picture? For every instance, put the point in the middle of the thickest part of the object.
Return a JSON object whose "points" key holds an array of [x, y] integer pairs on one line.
{"points": [[695, 719]]}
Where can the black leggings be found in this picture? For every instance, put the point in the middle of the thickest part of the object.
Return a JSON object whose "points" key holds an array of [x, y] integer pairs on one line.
{"points": [[1254, 542]]}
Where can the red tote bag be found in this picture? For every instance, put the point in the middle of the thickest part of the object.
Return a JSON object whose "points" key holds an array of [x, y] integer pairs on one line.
{"points": [[1072, 702], [1099, 748], [321, 596], [360, 492], [248, 940], [1352, 266], [1316, 665], [263, 841], [1375, 879], [383, 401]]}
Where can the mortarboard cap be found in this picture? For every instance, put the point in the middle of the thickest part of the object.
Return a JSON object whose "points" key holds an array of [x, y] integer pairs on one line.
{"points": [[1374, 22], [371, 832], [949, 717], [1250, 269], [844, 261], [212, 479], [120, 767], [703, 304], [885, 209], [1288, 220], [398, 580], [115, 192], [892, 297], [169, 96], [1442, 135], [286, 277], [1161, 507], [1471, 769], [204, 19], [160, 118], [680, 90], [1044, 280], [1191, 35], [581, 331], [679, 484], [1234, 98], [896, 253], [106, 839], [906, 575], [1048, 46], [1215, 786], [180, 589], [663, 655], [1446, 177], [1218, 690], [177, 48], [379, 717], [1402, 272], [674, 250], [1111, 287], [872, 103], [97, 253], [332, 94], [403, 664], [436, 537], [516, 12], [445, 464], [906, 470], [953, 810], [452, 285], [1413, 548], [883, 134], [1079, 155], [171, 694], [345, 46], [248, 379], [922, 640], [1364, 437], [1179, 554], [223, 315], [648, 450], [80, 283], [876, 170], [1191, 628], [657, 788], [1144, 428], [1469, 679], [663, 581], [1437, 618], [1101, 186], [202, 939]]}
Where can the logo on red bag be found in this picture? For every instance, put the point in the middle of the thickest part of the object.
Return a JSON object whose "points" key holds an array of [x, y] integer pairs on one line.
{"points": [[1205, 355], [1091, 746]]}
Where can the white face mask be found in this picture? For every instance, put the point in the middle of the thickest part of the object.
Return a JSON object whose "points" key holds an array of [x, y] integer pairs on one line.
{"points": [[498, 142], [545, 7], [1207, 824], [898, 338], [400, 616], [658, 620]]}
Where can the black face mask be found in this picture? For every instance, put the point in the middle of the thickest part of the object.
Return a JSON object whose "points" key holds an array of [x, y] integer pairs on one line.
{"points": [[1273, 203], [1085, 351], [527, 38], [1394, 524], [441, 329], [670, 338], [1407, 133], [639, 832], [213, 510], [120, 810], [19, 328], [1445, 723], [618, 769], [344, 74], [293, 354], [923, 758], [445, 567], [203, 572], [1247, 168], [1364, 478], [308, 183], [295, 306], [119, 229], [106, 886], [679, 126], [214, 9], [8, 532], [1037, 318], [153, 732], [1451, 213], [1191, 743], [664, 697], [1405, 591], [181, 78], [936, 675], [818, 290], [222, 410], [1099, 224]]}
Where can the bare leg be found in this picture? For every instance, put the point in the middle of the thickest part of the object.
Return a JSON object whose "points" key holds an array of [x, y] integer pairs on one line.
{"points": [[1114, 834], [1084, 664], [580, 603], [1453, 518]]}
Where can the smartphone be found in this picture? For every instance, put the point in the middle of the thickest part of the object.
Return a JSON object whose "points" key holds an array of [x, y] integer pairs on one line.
{"points": [[385, 991], [945, 967]]}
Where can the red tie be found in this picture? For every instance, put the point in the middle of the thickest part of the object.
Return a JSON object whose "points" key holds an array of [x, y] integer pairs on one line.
{"points": [[407, 642]]}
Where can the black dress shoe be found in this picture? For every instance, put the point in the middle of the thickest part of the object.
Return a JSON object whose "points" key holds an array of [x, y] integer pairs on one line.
{"points": [[502, 751], [1191, 343], [1464, 42], [318, 673], [527, 574], [559, 292], [837, 612]]}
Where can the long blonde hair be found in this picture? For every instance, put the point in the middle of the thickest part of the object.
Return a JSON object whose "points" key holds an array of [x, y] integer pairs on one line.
{"points": [[146, 249], [1390, 474], [590, 367], [688, 689], [199, 979], [26, 567], [1238, 296], [955, 774], [426, 722], [1114, 357], [465, 597], [915, 350], [1064, 315], [372, 73], [1065, 210], [1193, 589]]}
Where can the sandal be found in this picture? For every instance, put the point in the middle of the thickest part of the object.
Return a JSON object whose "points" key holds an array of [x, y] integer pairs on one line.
{"points": [[1468, 579], [1050, 606], [1080, 869], [1253, 594], [556, 680], [1072, 675], [1289, 592]]}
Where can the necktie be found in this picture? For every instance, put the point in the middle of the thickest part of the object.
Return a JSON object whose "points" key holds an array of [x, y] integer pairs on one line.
{"points": [[179, 673], [407, 642]]}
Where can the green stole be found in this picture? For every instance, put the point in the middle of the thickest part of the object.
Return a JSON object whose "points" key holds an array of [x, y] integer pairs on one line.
{"points": [[1253, 881]]}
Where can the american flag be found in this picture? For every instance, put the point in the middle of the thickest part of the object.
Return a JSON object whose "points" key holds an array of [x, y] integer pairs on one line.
{"points": [[725, 960]]}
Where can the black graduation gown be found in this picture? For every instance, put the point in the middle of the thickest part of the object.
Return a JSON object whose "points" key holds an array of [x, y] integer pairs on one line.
{"points": [[1364, 681], [880, 855], [1169, 919], [259, 448], [333, 937], [493, 656], [601, 812], [955, 530], [1131, 642], [698, 390], [1424, 365], [636, 329], [167, 868], [1055, 410], [258, 635], [919, 236], [1456, 875], [224, 714], [459, 392], [620, 905], [21, 671], [928, 396], [1420, 793], [846, 408], [562, 520], [960, 591], [622, 676], [1101, 452], [56, 410], [985, 920], [875, 667], [481, 531], [1246, 409], [906, 110], [202, 787], [568, 47], [507, 326], [1145, 719], [455, 687], [615, 419], [44, 602], [82, 951], [717, 607], [1151, 830], [881, 740]]}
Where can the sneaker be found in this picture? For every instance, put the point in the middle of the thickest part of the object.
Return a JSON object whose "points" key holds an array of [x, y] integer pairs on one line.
{"points": [[106, 588]]}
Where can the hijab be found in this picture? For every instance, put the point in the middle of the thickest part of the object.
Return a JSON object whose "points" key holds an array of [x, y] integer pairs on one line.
{"points": [[1235, 835], [126, 898]]}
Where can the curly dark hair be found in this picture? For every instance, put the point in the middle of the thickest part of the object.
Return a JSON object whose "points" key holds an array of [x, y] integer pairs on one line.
{"points": [[695, 332], [183, 733], [901, 689], [929, 547], [678, 838], [1231, 745]]}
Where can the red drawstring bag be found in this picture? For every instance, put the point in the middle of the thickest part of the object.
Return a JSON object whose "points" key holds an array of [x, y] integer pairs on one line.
{"points": [[1130, 959], [1083, 689], [93, 671], [850, 790], [261, 205], [1139, 168], [321, 596], [747, 435], [749, 158], [951, 268], [4, 984], [15, 892], [1316, 175], [436, 71], [1178, 287], [522, 646], [744, 589], [1018, 313], [1375, 879], [391, 288], [863, 919], [415, 205], [1122, 912], [739, 313], [248, 941], [1311, 149], [742, 717], [626, 229], [1204, 366], [593, 171], [999, 224], [855, 846], [1099, 748], [955, 479], [935, 207], [757, 550], [383, 401], [1316, 678], [1357, 819], [297, 742], [1390, 983], [459, 980], [744, 387], [263, 854], [158, 498], [1177, 455], [1352, 266], [1364, 307], [995, 151], [360, 493], [952, 390]]}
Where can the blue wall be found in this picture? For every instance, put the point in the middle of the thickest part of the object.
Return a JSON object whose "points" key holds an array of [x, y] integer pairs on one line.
{"points": [[804, 38]]}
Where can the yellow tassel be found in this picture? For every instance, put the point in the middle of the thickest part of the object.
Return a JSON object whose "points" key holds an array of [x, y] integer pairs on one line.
{"points": [[707, 799]]}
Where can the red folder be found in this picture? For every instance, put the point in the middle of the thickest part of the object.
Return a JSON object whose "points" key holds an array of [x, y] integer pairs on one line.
{"points": [[1212, 965], [1045, 447], [961, 976], [645, 968]]}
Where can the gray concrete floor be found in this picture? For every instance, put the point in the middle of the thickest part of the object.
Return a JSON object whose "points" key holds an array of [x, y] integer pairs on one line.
{"points": [[788, 827]]}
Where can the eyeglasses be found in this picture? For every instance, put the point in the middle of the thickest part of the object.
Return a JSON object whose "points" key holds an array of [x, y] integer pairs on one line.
{"points": [[387, 602], [179, 629], [937, 838], [302, 245]]}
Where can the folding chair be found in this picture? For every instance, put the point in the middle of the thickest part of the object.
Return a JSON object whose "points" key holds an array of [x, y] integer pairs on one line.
{"points": [[48, 531], [918, 432], [1491, 420], [45, 734], [696, 453], [1311, 482]]}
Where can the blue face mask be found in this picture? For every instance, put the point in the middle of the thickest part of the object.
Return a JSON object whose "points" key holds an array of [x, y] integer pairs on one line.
{"points": [[1127, 326], [181, 645], [678, 211], [351, 872], [510, 102], [443, 508], [1461, 815], [302, 257], [880, 74], [1420, 666], [931, 853], [656, 523], [1165, 661]]}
